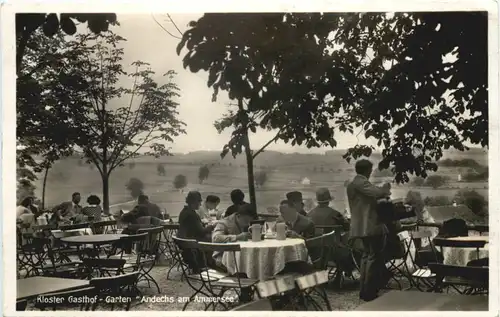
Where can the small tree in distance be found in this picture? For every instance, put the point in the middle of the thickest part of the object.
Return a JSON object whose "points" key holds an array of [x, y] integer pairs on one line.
{"points": [[260, 178], [203, 173], [135, 186], [180, 181], [160, 169], [435, 181], [418, 181]]}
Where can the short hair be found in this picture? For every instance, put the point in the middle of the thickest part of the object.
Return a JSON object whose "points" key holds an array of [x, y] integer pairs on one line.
{"points": [[247, 209], [93, 200], [213, 199], [363, 166], [75, 194], [27, 201], [287, 202], [237, 196], [193, 196], [142, 199]]}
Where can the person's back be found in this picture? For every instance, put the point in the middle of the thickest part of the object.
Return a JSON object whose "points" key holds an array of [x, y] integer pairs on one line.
{"points": [[324, 215], [238, 199], [154, 210]]}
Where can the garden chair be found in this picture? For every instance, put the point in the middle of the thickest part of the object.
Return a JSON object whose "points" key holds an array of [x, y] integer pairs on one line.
{"points": [[122, 286], [170, 249], [465, 280], [103, 227], [103, 267], [423, 278], [149, 255], [219, 286], [398, 265], [193, 271]]}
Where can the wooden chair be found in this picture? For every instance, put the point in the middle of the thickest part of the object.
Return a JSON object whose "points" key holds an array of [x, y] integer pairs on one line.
{"points": [[193, 270], [398, 266], [281, 291], [121, 286], [465, 244], [170, 249], [84, 225], [100, 227], [149, 254], [103, 267], [465, 280], [423, 278], [219, 286]]}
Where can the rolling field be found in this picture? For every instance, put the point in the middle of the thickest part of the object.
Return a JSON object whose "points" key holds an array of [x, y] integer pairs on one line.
{"points": [[68, 176]]}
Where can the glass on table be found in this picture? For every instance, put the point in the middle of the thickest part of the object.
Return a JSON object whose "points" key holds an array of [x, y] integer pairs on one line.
{"points": [[270, 227]]}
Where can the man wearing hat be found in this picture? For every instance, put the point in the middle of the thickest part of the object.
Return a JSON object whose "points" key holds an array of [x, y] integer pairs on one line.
{"points": [[325, 215], [190, 224], [191, 227], [296, 199]]}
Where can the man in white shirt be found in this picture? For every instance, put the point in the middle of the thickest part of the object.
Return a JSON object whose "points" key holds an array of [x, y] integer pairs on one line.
{"points": [[24, 207], [208, 210]]}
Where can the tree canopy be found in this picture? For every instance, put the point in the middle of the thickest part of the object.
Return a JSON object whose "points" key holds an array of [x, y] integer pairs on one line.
{"points": [[415, 82]]}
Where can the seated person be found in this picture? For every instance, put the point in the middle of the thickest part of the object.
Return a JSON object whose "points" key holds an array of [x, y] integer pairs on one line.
{"points": [[295, 198], [152, 210], [94, 210], [299, 224], [233, 228], [323, 214], [208, 208], [191, 227], [65, 211], [238, 199]]}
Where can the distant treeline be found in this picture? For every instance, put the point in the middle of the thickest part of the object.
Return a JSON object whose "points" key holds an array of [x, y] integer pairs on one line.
{"points": [[467, 162]]}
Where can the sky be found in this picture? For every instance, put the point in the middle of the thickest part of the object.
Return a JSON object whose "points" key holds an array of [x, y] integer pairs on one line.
{"points": [[148, 42]]}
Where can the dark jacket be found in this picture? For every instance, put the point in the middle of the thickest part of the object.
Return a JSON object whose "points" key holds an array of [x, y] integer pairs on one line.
{"points": [[233, 208], [191, 227], [303, 226], [324, 215]]}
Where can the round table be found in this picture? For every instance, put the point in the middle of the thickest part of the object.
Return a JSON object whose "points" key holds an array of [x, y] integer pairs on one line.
{"points": [[96, 239], [461, 256], [264, 259]]}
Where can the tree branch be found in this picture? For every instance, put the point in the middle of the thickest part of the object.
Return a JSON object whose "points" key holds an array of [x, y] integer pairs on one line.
{"points": [[267, 144], [117, 162]]}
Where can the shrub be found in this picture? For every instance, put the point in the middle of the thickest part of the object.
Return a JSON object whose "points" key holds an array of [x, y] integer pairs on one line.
{"points": [[260, 178], [437, 201], [459, 163], [135, 186], [203, 173], [160, 169], [476, 175], [382, 173], [472, 199], [435, 181], [418, 181], [180, 181]]}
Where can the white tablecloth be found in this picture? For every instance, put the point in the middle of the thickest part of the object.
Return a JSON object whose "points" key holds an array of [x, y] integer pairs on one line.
{"points": [[70, 233], [264, 259], [460, 256]]}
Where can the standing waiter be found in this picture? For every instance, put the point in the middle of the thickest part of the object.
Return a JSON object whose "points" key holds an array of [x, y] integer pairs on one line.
{"points": [[366, 225]]}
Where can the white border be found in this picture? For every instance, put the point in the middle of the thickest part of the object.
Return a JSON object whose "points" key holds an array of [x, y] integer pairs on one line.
{"points": [[121, 7]]}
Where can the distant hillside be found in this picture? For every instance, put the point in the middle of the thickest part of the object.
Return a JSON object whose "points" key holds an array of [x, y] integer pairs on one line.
{"points": [[331, 158]]}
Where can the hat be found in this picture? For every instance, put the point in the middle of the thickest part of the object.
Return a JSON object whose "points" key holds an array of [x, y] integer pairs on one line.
{"points": [[323, 195], [193, 196], [294, 196]]}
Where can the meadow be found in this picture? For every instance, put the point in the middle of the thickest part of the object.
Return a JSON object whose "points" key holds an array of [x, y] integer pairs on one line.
{"points": [[285, 172]]}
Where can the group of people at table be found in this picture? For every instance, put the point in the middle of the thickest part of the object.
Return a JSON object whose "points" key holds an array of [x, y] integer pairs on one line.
{"points": [[200, 220]]}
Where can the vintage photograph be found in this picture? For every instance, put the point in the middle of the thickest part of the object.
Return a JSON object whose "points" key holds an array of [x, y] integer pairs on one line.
{"points": [[333, 161]]}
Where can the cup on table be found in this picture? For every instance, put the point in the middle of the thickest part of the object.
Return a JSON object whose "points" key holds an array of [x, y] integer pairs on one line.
{"points": [[256, 231], [280, 231]]}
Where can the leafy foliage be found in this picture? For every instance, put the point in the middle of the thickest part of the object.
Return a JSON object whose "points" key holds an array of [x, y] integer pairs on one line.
{"points": [[203, 173], [479, 175], [92, 110], [160, 169], [310, 75], [472, 199], [180, 181], [51, 24], [135, 186]]}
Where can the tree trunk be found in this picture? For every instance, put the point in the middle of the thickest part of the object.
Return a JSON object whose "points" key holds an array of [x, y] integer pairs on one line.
{"points": [[105, 189], [251, 181], [44, 186]]}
